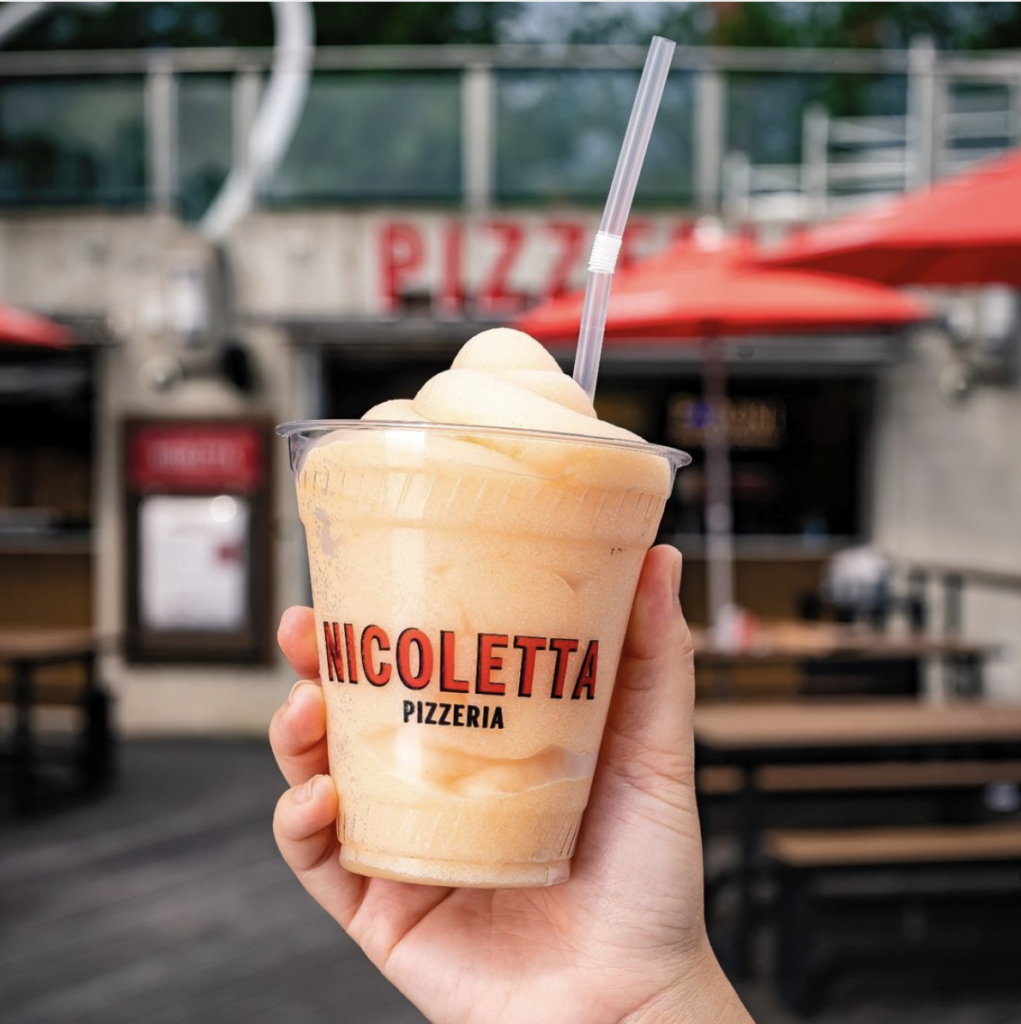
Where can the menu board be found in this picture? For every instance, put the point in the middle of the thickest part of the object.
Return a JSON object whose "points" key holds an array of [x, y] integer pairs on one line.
{"points": [[193, 562], [197, 539]]}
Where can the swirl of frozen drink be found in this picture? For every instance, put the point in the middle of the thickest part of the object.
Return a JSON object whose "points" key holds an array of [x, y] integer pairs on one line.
{"points": [[505, 378]]}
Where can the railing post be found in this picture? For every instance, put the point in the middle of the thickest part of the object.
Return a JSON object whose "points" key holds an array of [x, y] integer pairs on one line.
{"points": [[921, 127], [710, 132], [736, 201], [915, 601], [941, 137], [478, 137], [1014, 100], [815, 160], [244, 106], [161, 135], [953, 603]]}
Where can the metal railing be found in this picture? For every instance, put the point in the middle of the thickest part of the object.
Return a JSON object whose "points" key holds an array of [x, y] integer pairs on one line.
{"points": [[481, 126], [852, 161]]}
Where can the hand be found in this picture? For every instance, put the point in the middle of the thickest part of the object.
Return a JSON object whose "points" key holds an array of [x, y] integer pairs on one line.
{"points": [[623, 939]]}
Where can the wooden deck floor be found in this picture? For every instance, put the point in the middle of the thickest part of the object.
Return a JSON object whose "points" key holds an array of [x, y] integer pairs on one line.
{"points": [[166, 902]]}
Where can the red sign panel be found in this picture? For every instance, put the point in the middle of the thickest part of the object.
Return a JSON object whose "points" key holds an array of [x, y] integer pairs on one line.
{"points": [[196, 457], [496, 267]]}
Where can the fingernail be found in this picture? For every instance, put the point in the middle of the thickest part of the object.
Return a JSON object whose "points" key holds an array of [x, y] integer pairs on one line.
{"points": [[294, 690], [675, 578], [305, 793]]}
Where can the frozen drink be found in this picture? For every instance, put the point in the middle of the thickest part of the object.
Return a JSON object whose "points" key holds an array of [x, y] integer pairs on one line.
{"points": [[474, 554]]}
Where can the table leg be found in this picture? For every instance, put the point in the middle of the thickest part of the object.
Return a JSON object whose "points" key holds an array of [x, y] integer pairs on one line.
{"points": [[748, 836], [95, 741], [794, 938], [973, 674], [963, 675], [24, 777]]}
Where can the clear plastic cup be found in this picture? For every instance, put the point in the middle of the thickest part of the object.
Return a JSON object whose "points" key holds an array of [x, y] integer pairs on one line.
{"points": [[471, 587]]}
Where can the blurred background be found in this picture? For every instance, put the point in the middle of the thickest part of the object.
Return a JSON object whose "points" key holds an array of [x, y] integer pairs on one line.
{"points": [[215, 217]]}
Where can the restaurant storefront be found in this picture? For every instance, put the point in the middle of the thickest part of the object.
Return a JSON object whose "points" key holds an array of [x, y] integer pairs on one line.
{"points": [[336, 311], [800, 411]]}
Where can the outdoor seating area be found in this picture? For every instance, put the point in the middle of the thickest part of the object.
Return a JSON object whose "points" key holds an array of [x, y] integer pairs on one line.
{"points": [[367, 369], [835, 802], [178, 907]]}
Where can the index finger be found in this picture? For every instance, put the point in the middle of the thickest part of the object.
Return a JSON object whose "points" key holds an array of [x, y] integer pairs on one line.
{"points": [[296, 636]]}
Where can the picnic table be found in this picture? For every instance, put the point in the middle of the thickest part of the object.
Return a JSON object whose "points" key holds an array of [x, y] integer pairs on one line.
{"points": [[747, 737], [787, 641], [23, 652]]}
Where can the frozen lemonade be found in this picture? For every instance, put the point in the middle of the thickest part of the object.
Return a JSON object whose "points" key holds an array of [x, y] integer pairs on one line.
{"points": [[471, 588]]}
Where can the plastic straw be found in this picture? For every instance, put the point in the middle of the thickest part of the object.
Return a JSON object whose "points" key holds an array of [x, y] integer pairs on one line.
{"points": [[606, 246]]}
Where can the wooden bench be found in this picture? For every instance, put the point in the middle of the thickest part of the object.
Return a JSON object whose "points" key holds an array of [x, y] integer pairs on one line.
{"points": [[800, 857], [48, 693], [720, 782], [724, 780]]}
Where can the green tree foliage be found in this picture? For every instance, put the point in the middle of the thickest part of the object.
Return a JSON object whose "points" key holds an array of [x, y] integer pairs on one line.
{"points": [[957, 26], [141, 25], [952, 26]]}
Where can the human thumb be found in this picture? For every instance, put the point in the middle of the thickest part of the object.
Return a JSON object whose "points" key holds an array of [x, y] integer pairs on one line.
{"points": [[643, 796], [649, 728]]}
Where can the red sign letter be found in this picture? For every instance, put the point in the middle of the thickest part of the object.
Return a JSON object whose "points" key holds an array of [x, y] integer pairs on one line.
{"points": [[587, 673], [421, 678], [564, 649], [495, 296], [448, 647], [334, 658], [450, 300], [572, 238], [349, 643], [400, 253], [528, 645], [370, 635], [487, 662]]}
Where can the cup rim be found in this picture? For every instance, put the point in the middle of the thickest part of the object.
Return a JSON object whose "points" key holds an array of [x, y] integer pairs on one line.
{"points": [[677, 458]]}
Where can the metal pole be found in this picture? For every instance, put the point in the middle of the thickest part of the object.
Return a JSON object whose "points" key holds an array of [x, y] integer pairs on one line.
{"points": [[477, 136], [710, 129], [953, 603], [941, 138], [736, 201], [161, 122], [1014, 99], [245, 96], [921, 113], [815, 160], [719, 536]]}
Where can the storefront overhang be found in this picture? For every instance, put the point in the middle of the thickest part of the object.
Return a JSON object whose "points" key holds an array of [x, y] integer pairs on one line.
{"points": [[806, 357]]}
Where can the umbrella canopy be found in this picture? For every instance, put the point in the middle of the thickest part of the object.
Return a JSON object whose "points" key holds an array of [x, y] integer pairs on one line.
{"points": [[692, 291], [20, 328], [708, 292], [964, 230]]}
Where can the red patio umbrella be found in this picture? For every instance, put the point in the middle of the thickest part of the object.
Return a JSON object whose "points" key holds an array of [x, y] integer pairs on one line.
{"points": [[20, 328], [692, 291], [964, 230]]}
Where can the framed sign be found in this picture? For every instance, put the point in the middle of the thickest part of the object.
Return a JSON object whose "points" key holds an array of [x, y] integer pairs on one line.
{"points": [[197, 538]]}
